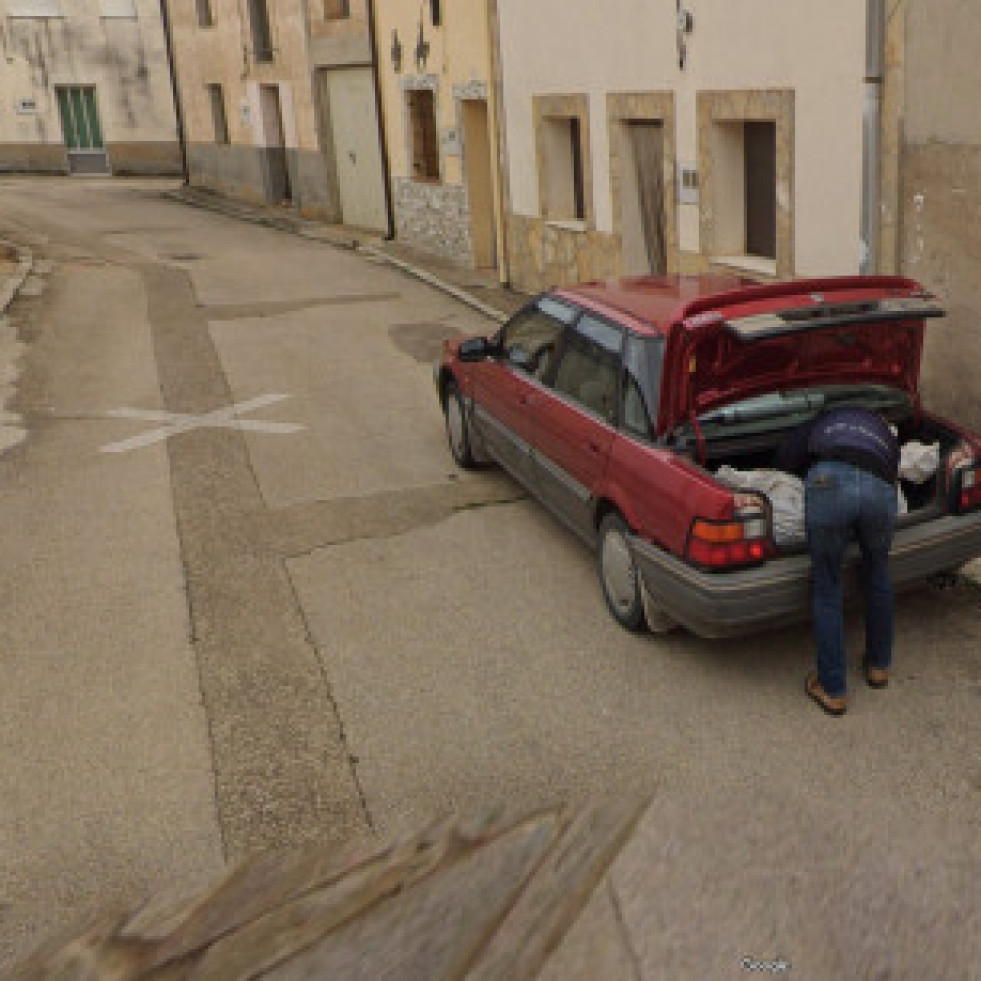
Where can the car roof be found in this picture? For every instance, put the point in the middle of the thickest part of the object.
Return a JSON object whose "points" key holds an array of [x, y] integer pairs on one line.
{"points": [[654, 303]]}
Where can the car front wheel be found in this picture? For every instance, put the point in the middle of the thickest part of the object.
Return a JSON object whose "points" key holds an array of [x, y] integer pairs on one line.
{"points": [[618, 574], [457, 431]]}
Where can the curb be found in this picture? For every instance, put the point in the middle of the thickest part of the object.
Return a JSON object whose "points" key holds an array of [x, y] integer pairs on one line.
{"points": [[11, 287], [338, 241], [421, 274]]}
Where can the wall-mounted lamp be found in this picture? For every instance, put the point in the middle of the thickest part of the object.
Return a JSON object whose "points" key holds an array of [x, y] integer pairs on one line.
{"points": [[396, 51], [422, 50], [685, 24]]}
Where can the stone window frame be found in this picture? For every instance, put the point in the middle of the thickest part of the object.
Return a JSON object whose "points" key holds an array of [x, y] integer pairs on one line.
{"points": [[473, 91], [417, 83], [748, 105], [624, 107], [564, 106]]}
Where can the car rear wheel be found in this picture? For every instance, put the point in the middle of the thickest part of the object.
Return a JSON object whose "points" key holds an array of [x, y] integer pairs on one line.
{"points": [[457, 430], [618, 574]]}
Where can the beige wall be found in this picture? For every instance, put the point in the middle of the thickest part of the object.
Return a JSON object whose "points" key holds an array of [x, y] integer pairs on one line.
{"points": [[940, 210], [458, 55], [125, 58], [207, 55], [816, 50]]}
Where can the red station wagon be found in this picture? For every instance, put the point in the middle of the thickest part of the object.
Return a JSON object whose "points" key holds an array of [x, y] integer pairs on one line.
{"points": [[616, 403]]}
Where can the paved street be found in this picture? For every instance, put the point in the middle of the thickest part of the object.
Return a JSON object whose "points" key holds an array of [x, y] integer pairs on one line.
{"points": [[224, 629]]}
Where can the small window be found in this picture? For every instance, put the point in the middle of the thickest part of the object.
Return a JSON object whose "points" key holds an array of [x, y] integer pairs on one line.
{"points": [[566, 200], [425, 141], [262, 46], [589, 365], [437, 14], [217, 98], [530, 338], [337, 9], [204, 13], [642, 357]]}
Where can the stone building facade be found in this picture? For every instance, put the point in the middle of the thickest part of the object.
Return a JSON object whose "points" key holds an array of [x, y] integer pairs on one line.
{"points": [[434, 77], [933, 204], [85, 86], [700, 140], [279, 104]]}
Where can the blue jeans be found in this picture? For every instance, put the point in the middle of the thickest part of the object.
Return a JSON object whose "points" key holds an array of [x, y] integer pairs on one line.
{"points": [[841, 500]]}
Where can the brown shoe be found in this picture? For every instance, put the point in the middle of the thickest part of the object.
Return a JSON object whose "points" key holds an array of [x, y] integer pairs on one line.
{"points": [[875, 677], [833, 705]]}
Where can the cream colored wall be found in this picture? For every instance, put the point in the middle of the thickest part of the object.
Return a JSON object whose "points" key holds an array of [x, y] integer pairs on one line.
{"points": [[82, 48], [207, 55], [458, 55], [552, 47]]}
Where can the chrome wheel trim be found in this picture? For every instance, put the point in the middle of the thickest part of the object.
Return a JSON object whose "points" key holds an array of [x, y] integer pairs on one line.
{"points": [[619, 575], [455, 427]]}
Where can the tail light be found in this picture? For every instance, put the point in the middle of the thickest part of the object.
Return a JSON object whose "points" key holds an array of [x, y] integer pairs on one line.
{"points": [[744, 540], [967, 482]]}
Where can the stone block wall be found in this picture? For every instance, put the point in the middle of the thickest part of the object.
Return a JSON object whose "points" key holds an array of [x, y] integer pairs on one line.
{"points": [[546, 254], [434, 217]]}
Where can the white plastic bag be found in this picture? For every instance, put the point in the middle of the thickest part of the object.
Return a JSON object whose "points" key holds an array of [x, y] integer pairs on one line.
{"points": [[784, 490], [918, 462]]}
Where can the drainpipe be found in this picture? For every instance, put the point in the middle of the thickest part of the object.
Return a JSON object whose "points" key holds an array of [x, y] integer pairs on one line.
{"points": [[178, 113], [875, 30], [502, 188], [380, 115]]}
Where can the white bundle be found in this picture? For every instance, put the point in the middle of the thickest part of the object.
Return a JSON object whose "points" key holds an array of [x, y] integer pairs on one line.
{"points": [[784, 490], [918, 462], [786, 495]]}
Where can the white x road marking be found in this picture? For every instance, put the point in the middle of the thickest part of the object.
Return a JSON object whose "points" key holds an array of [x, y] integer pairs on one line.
{"points": [[225, 418]]}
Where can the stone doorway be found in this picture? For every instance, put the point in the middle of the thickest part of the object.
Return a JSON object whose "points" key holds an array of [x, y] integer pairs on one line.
{"points": [[479, 179]]}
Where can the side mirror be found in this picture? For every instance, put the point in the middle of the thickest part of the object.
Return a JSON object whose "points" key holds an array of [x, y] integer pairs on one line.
{"points": [[475, 349]]}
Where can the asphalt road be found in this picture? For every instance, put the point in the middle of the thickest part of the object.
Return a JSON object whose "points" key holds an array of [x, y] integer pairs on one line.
{"points": [[218, 636]]}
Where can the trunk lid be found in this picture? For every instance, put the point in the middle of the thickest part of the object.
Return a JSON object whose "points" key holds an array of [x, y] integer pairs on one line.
{"points": [[779, 343]]}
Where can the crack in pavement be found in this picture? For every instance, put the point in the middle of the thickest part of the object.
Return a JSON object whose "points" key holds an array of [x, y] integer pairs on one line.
{"points": [[302, 529]]}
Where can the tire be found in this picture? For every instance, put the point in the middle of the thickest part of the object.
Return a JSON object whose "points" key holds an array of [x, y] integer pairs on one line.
{"points": [[457, 429], [618, 575]]}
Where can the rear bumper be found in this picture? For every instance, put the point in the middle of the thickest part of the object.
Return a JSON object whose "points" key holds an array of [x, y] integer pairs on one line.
{"points": [[725, 604]]}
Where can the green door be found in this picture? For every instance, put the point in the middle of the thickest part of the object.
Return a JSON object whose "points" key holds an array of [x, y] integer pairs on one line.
{"points": [[83, 134]]}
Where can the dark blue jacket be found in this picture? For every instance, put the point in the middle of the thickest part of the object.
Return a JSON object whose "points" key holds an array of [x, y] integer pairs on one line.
{"points": [[856, 436]]}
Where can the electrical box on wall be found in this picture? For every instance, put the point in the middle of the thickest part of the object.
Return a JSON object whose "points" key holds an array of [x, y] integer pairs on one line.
{"points": [[451, 142], [687, 184]]}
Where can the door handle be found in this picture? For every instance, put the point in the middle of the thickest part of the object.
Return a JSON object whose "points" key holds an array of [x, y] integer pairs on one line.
{"points": [[593, 447], [527, 400]]}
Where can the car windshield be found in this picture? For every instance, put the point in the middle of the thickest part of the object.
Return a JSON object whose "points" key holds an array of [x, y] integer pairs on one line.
{"points": [[779, 410]]}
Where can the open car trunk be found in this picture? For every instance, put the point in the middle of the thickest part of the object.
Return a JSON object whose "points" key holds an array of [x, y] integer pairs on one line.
{"points": [[750, 371], [755, 455]]}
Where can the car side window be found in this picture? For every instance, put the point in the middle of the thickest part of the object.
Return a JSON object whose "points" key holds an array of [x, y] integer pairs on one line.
{"points": [[589, 365], [642, 358], [529, 338]]}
